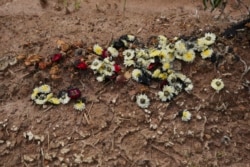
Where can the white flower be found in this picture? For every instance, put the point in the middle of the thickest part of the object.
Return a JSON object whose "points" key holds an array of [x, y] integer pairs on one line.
{"points": [[189, 56], [136, 73], [217, 84], [143, 53], [209, 38], [44, 88], [142, 101], [96, 64], [100, 78], [129, 62], [109, 70], [207, 53], [97, 49], [128, 54], [43, 98], [170, 47], [79, 105], [178, 55], [180, 46], [131, 38], [113, 51], [172, 78], [34, 93], [64, 98], [201, 44], [189, 87], [162, 40], [167, 93], [186, 115], [166, 66]]}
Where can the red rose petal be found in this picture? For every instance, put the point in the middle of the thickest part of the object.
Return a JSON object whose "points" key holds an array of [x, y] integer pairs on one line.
{"points": [[117, 68], [56, 57], [81, 65]]}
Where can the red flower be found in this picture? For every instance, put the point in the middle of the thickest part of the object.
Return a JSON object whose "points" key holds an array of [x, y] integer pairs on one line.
{"points": [[81, 65], [117, 68], [74, 93], [105, 53], [151, 66], [56, 57]]}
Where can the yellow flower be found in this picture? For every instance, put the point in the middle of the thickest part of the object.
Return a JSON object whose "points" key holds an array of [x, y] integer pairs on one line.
{"points": [[156, 73], [54, 100], [189, 56], [217, 84], [34, 93], [154, 52], [97, 49], [180, 46], [44, 88], [207, 53], [165, 66], [79, 105], [163, 76], [136, 73], [186, 115]]}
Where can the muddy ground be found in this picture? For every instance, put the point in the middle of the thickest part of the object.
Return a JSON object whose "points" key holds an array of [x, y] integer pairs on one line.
{"points": [[113, 130]]}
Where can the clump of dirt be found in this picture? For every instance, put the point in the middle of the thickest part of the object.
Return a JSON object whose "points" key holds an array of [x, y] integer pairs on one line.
{"points": [[113, 130]]}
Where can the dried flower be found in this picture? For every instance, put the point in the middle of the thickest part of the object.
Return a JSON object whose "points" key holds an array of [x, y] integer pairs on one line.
{"points": [[186, 115], [217, 84], [142, 101], [56, 57], [80, 64]]}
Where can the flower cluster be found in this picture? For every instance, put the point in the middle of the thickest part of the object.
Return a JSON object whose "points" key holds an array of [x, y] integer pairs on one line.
{"points": [[42, 95]]}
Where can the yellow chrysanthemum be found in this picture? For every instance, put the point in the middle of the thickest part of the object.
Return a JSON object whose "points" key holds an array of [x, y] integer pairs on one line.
{"points": [[154, 53], [97, 49], [207, 53], [80, 106], [186, 115], [166, 66], [163, 76], [54, 100], [44, 88], [136, 73], [156, 73], [34, 93], [189, 56]]}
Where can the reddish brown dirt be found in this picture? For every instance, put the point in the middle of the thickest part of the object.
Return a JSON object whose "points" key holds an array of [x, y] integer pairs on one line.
{"points": [[119, 134]]}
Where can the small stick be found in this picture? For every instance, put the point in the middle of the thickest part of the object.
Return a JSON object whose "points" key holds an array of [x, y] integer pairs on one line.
{"points": [[86, 117], [47, 109], [90, 108], [203, 128]]}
